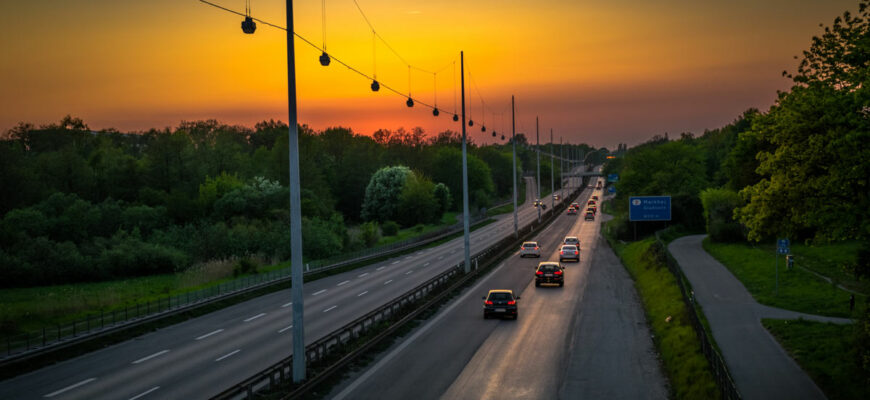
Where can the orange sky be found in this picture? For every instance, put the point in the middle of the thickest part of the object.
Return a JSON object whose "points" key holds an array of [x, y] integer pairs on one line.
{"points": [[600, 72]]}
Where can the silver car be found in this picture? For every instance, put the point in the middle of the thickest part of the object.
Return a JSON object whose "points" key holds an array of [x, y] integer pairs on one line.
{"points": [[573, 240], [530, 249]]}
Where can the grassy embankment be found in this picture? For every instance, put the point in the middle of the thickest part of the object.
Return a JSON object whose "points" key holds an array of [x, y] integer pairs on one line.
{"points": [[827, 352], [687, 369], [32, 309], [799, 290]]}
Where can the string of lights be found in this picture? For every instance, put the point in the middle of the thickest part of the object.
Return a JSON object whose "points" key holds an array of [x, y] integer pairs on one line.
{"points": [[248, 26]]}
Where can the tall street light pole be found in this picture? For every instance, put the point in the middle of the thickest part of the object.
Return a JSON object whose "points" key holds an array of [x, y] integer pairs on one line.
{"points": [[538, 152], [514, 140], [561, 169], [464, 170], [295, 209], [552, 181]]}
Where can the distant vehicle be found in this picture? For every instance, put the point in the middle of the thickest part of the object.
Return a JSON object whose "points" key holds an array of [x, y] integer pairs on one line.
{"points": [[589, 216], [595, 198], [573, 240], [530, 249], [575, 205], [500, 302], [569, 252], [591, 209], [572, 211], [549, 272], [556, 197], [599, 185], [590, 203], [538, 203]]}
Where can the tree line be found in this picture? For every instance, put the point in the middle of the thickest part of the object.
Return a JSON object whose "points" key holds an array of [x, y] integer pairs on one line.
{"points": [[84, 205]]}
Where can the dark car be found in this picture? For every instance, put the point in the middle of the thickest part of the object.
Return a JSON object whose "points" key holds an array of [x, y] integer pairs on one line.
{"points": [[595, 198], [589, 216], [549, 272], [569, 252], [591, 209], [500, 302]]}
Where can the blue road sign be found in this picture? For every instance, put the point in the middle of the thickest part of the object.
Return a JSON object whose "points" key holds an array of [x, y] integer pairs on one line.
{"points": [[611, 189], [783, 243], [613, 177], [649, 208]]}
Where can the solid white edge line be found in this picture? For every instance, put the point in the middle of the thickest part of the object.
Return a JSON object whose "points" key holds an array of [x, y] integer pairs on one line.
{"points": [[145, 393], [70, 387], [363, 293], [343, 283], [344, 393], [157, 354], [227, 355], [209, 334], [318, 292], [255, 317], [330, 309], [285, 329]]}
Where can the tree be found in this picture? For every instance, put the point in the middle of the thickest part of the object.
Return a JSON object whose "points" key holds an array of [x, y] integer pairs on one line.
{"points": [[382, 193], [417, 202], [815, 182], [719, 205], [442, 195]]}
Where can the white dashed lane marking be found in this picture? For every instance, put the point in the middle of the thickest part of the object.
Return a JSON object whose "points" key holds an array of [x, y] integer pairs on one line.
{"points": [[255, 317], [230, 354], [319, 292], [287, 305], [363, 275], [145, 393], [343, 283], [157, 354], [394, 262], [210, 334], [388, 282], [409, 272], [70, 387], [362, 294], [380, 268], [330, 309], [285, 329]]}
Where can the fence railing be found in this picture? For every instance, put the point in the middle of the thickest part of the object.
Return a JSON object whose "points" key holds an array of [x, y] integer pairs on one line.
{"points": [[717, 363], [108, 321], [397, 312]]}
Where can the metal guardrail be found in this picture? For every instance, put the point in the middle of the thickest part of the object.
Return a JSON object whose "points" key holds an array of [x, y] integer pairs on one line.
{"points": [[714, 357], [392, 311], [24, 346]]}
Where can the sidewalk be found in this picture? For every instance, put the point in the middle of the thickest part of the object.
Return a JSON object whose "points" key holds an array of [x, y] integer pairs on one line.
{"points": [[759, 365]]}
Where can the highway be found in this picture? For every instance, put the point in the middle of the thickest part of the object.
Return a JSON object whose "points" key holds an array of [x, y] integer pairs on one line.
{"points": [[588, 339], [203, 356]]}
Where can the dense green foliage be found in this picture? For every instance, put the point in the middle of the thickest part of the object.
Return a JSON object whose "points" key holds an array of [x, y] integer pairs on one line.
{"points": [[81, 205], [719, 205]]}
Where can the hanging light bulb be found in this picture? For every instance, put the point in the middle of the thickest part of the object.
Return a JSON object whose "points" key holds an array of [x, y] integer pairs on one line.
{"points": [[493, 133], [409, 103], [502, 137], [483, 128], [470, 122], [435, 111], [249, 26], [324, 59], [375, 86], [455, 117]]}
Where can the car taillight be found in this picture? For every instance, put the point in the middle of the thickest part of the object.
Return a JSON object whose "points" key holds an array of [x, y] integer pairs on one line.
{"points": [[489, 303], [561, 253], [512, 302], [576, 252], [536, 248], [558, 272], [539, 273]]}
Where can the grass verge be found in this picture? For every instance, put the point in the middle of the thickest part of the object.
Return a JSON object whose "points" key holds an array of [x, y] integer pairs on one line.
{"points": [[675, 339], [826, 352], [798, 290]]}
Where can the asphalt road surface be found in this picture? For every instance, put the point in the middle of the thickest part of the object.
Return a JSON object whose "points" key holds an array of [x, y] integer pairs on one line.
{"points": [[201, 357], [588, 339]]}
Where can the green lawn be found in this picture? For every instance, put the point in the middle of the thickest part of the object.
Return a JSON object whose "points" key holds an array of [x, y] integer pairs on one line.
{"points": [[826, 352], [829, 260], [799, 290], [687, 369]]}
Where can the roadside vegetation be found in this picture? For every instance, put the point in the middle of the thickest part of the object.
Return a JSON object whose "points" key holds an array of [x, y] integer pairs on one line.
{"points": [[826, 352], [675, 339]]}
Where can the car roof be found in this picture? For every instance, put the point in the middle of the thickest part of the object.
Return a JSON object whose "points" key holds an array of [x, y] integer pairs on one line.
{"points": [[570, 237], [501, 291], [530, 243]]}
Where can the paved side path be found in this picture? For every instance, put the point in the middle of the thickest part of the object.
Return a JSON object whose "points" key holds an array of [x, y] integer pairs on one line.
{"points": [[759, 365]]}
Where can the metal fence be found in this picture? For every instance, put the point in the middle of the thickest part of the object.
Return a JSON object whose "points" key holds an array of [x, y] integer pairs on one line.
{"points": [[109, 321], [717, 363], [397, 312]]}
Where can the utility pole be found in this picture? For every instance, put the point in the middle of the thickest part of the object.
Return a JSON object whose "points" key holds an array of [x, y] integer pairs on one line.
{"points": [[464, 170], [561, 170], [552, 180], [538, 152], [514, 140], [295, 210]]}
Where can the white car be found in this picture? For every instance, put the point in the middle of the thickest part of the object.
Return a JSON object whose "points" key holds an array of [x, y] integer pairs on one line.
{"points": [[530, 249]]}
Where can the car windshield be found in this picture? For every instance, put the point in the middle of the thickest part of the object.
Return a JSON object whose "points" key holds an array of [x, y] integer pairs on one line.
{"points": [[569, 248], [501, 296], [532, 245], [547, 268]]}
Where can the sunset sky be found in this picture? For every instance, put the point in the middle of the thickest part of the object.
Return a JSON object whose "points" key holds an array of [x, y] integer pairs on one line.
{"points": [[599, 72]]}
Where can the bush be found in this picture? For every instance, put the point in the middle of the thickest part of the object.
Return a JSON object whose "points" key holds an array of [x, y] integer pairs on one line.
{"points": [[369, 233], [719, 205], [390, 228], [245, 266]]}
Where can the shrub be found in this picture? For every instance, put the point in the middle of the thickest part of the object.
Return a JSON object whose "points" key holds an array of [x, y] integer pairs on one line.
{"points": [[369, 233], [719, 205], [245, 266], [390, 228]]}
